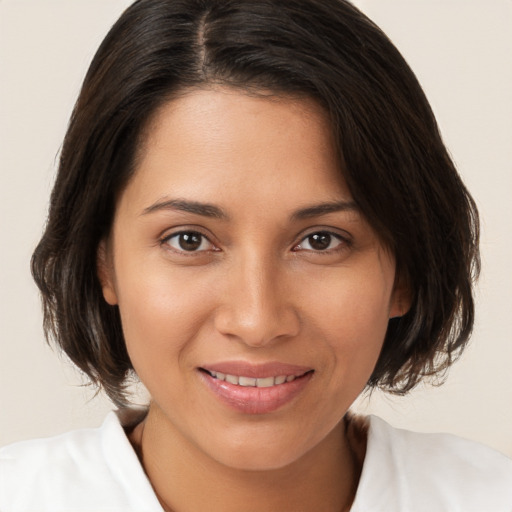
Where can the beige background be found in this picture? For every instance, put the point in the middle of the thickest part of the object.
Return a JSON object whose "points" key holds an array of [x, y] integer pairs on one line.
{"points": [[462, 52]]}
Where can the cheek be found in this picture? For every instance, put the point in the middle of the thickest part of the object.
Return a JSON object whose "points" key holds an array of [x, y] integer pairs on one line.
{"points": [[351, 311], [161, 313]]}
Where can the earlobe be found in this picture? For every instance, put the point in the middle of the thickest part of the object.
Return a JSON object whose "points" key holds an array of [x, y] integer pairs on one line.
{"points": [[397, 310], [105, 271], [401, 299]]}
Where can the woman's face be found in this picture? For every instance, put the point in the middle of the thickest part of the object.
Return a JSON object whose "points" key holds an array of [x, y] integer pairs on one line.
{"points": [[239, 260]]}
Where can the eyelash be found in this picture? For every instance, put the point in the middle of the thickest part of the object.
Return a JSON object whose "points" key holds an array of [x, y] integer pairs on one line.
{"points": [[177, 235], [344, 242]]}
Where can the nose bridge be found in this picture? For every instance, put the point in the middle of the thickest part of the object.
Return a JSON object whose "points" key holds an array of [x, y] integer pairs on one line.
{"points": [[257, 308]]}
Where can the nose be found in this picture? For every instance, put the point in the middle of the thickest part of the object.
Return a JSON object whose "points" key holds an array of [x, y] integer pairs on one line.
{"points": [[257, 307]]}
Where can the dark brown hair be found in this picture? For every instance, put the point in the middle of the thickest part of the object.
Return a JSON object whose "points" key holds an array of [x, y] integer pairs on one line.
{"points": [[393, 160]]}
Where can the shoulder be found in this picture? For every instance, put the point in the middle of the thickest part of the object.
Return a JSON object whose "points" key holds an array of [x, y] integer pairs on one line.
{"points": [[78, 470], [416, 471]]}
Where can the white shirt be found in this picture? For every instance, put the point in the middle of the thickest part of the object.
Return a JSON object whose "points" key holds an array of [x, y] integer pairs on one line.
{"points": [[98, 470]]}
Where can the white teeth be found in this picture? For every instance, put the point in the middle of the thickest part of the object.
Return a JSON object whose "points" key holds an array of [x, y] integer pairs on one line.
{"points": [[246, 381], [232, 379], [265, 382]]}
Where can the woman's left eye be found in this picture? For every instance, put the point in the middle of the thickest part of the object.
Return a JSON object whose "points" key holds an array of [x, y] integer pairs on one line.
{"points": [[322, 241], [188, 241]]}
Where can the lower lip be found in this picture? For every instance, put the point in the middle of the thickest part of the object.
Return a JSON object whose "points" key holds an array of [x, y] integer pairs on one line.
{"points": [[254, 400]]}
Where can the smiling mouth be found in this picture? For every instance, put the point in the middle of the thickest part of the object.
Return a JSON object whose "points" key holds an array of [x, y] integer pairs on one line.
{"points": [[256, 389], [244, 381]]}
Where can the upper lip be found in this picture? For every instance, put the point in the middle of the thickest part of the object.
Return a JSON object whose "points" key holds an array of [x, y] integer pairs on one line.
{"points": [[257, 371]]}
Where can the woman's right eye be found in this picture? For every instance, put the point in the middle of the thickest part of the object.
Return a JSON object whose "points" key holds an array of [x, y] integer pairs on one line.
{"points": [[188, 241]]}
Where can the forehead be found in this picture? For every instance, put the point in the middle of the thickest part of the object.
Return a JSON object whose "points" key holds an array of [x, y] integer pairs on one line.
{"points": [[228, 143]]}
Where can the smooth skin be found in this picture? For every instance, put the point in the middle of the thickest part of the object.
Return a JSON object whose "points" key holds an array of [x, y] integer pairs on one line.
{"points": [[279, 266]]}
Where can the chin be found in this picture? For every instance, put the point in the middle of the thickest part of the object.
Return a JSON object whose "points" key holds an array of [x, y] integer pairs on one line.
{"points": [[255, 451]]}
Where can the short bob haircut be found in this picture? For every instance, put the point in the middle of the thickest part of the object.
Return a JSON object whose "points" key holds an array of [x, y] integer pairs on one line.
{"points": [[391, 157]]}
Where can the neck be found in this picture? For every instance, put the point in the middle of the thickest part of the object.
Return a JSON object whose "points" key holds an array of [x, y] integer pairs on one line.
{"points": [[187, 479]]}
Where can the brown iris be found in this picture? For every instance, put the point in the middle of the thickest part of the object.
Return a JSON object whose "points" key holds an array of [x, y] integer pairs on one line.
{"points": [[190, 241], [320, 241]]}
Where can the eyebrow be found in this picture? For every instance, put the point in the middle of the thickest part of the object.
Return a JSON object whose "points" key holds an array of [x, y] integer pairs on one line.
{"points": [[204, 209], [212, 211], [323, 209]]}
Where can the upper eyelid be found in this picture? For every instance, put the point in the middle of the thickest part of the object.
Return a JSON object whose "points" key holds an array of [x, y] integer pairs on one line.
{"points": [[170, 232], [340, 238], [338, 233]]}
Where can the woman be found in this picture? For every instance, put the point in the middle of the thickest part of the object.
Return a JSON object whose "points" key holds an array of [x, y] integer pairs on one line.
{"points": [[255, 215]]}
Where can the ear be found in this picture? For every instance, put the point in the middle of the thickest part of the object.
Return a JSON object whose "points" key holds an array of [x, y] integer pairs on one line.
{"points": [[105, 270], [401, 298]]}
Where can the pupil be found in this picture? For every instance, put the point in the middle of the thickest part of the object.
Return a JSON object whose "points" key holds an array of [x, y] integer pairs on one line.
{"points": [[190, 241], [320, 241]]}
